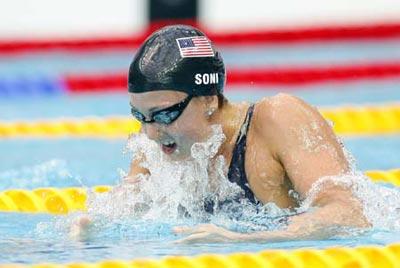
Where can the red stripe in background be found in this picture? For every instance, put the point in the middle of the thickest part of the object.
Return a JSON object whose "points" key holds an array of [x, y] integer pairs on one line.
{"points": [[265, 76], [333, 33], [96, 83], [310, 75]]}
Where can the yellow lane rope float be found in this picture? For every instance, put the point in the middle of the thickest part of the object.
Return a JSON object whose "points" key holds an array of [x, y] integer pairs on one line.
{"points": [[334, 257], [109, 127], [65, 200], [347, 121], [364, 120]]}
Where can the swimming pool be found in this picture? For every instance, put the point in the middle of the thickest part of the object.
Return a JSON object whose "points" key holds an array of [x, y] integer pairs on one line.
{"points": [[31, 163]]}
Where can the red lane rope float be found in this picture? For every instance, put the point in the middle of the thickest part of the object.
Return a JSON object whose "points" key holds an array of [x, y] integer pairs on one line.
{"points": [[328, 33], [266, 36], [308, 75], [261, 76], [70, 45]]}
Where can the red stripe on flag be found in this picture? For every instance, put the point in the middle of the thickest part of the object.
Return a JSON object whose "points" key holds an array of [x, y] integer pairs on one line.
{"points": [[197, 49]]}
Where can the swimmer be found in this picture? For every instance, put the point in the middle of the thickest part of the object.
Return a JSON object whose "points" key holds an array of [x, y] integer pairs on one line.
{"points": [[273, 147]]}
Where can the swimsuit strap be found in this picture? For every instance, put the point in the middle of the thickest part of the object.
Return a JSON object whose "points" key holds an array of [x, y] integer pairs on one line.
{"points": [[237, 172]]}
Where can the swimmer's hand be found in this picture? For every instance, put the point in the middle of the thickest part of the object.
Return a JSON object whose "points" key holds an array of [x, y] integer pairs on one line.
{"points": [[80, 228], [206, 233], [210, 233]]}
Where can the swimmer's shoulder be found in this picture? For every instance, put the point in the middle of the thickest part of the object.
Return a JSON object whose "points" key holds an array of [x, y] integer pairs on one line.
{"points": [[274, 112], [275, 115]]}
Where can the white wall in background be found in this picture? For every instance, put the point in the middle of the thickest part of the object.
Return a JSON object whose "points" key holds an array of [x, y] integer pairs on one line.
{"points": [[239, 14], [71, 18], [89, 18]]}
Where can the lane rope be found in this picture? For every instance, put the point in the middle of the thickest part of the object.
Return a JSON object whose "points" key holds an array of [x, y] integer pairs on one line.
{"points": [[376, 31], [261, 76], [109, 127], [284, 75], [333, 257], [65, 200], [373, 120]]}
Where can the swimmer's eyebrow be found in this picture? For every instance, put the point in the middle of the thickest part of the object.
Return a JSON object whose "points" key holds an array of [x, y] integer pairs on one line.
{"points": [[156, 108]]}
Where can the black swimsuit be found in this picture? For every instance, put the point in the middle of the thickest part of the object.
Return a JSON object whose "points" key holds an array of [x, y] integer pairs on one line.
{"points": [[237, 172]]}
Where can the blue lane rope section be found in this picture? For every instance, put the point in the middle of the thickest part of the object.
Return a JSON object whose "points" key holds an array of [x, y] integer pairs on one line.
{"points": [[40, 85]]}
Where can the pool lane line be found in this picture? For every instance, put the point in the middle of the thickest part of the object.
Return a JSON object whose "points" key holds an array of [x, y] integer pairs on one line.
{"points": [[325, 33], [30, 86], [347, 121], [65, 200], [332, 257], [93, 127], [258, 76], [291, 77]]}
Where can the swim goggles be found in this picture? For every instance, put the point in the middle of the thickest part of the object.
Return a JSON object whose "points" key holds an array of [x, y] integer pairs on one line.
{"points": [[164, 116]]}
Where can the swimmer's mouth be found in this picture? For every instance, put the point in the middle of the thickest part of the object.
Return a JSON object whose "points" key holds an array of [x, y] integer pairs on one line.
{"points": [[168, 148]]}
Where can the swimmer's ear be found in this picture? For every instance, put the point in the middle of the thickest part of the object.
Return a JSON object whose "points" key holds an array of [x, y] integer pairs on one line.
{"points": [[211, 102], [211, 105]]}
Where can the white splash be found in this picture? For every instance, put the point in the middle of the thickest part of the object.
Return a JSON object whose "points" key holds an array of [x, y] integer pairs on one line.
{"points": [[173, 189], [44, 174], [381, 203]]}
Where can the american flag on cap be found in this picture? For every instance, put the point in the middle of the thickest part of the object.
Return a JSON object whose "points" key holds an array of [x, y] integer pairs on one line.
{"points": [[196, 46]]}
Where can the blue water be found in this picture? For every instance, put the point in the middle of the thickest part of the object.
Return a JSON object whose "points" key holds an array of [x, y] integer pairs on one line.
{"points": [[25, 242], [261, 55], [321, 95], [31, 163]]}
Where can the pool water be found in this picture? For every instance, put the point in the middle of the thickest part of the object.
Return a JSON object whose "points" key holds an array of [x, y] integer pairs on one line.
{"points": [[32, 163]]}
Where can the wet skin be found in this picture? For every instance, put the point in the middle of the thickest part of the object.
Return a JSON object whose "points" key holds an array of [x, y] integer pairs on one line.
{"points": [[289, 147]]}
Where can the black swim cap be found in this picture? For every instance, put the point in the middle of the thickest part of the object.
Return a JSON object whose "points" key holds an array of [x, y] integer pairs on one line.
{"points": [[177, 57]]}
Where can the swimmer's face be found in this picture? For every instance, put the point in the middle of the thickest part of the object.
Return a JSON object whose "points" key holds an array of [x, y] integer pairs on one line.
{"points": [[175, 139]]}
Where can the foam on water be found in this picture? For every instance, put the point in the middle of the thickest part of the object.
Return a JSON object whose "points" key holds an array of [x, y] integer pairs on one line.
{"points": [[136, 220], [381, 203], [44, 174], [174, 190]]}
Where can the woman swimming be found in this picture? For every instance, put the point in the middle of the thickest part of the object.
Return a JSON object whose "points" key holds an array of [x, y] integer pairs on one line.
{"points": [[276, 145], [272, 147]]}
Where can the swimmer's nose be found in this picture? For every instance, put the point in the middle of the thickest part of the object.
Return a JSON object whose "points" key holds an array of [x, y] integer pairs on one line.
{"points": [[152, 131]]}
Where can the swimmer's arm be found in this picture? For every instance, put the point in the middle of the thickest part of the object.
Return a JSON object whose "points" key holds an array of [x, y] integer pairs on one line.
{"points": [[81, 228], [321, 223], [136, 170], [308, 149]]}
